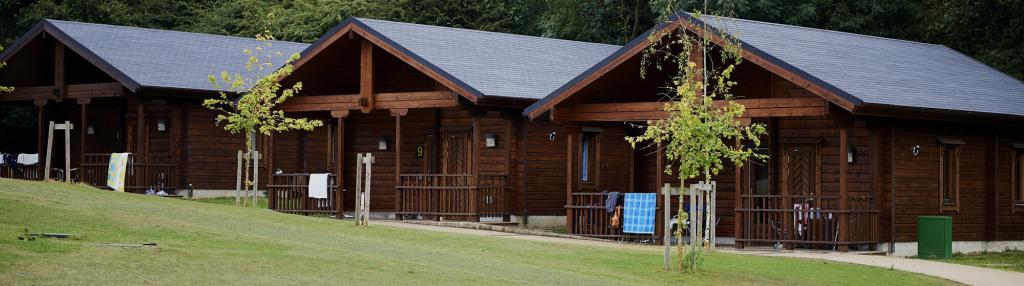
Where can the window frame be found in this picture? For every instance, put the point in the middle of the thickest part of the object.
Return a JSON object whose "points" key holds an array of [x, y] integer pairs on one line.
{"points": [[945, 147], [1017, 177], [588, 160]]}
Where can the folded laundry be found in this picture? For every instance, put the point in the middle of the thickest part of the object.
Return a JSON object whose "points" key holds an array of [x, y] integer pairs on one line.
{"points": [[28, 159]]}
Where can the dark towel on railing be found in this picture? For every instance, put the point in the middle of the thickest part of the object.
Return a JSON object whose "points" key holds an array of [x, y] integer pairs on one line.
{"points": [[611, 201]]}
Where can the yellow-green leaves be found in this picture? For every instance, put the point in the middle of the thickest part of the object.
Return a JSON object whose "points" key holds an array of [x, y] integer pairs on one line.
{"points": [[247, 100], [703, 124]]}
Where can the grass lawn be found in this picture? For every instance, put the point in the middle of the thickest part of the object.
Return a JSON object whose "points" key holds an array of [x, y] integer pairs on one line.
{"points": [[214, 244], [262, 202], [1012, 260]]}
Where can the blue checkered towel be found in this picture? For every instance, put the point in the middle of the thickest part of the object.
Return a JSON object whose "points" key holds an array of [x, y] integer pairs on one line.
{"points": [[639, 213]]}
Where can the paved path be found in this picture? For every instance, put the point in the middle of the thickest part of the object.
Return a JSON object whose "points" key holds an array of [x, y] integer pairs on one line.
{"points": [[961, 273]]}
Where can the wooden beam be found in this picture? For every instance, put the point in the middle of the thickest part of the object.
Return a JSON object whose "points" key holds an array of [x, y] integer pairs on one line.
{"points": [[339, 169], [95, 90], [738, 202], [398, 155], [140, 130], [570, 176], [392, 100], [366, 92], [641, 111], [91, 90], [844, 217], [40, 127], [83, 131], [59, 82]]}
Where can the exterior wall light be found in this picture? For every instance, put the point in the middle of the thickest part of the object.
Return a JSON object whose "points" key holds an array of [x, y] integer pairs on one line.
{"points": [[382, 144], [90, 129], [850, 153], [161, 125], [490, 140]]}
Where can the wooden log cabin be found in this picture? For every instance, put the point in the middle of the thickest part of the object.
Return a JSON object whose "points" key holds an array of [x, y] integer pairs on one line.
{"points": [[865, 134], [124, 89], [440, 109]]}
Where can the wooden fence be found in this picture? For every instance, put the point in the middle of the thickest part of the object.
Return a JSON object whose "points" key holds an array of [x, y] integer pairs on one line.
{"points": [[31, 172], [806, 221], [289, 193], [438, 195], [589, 217], [143, 171]]}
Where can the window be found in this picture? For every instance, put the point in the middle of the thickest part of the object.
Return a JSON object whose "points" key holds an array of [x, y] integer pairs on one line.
{"points": [[949, 174], [1018, 175], [588, 157]]}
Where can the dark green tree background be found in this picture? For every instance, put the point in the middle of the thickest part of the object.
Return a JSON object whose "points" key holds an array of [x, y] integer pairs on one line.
{"points": [[990, 30]]}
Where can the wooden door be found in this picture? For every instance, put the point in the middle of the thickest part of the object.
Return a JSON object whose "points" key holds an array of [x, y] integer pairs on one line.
{"points": [[801, 170], [456, 153]]}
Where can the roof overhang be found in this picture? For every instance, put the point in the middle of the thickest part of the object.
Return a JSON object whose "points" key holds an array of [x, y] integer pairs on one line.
{"points": [[692, 24], [48, 28], [353, 25]]}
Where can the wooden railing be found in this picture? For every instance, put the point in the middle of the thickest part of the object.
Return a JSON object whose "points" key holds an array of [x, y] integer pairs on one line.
{"points": [[30, 172], [143, 171], [591, 218], [437, 195], [806, 221], [289, 193]]}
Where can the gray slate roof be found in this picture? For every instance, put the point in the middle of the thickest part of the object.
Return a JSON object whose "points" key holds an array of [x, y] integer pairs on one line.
{"points": [[167, 59], [496, 64], [884, 71]]}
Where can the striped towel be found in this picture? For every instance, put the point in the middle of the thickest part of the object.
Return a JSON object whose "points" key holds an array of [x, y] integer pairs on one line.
{"points": [[638, 214], [116, 171]]}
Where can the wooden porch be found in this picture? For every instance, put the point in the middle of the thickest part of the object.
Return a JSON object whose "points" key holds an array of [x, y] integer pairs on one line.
{"points": [[444, 196], [289, 193], [147, 171]]}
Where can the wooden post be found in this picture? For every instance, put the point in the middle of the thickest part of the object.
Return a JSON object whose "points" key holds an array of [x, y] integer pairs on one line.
{"points": [[398, 113], [570, 177], [844, 217], [359, 189], [666, 194], [49, 152], [368, 160], [40, 127], [738, 201], [238, 179], [67, 151], [367, 99], [59, 82], [339, 162], [659, 179], [476, 165], [83, 132], [271, 195], [256, 176]]}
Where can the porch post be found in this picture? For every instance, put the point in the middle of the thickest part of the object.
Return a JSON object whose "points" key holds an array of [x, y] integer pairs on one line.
{"points": [[83, 130], [339, 162], [660, 179], [844, 217], [476, 163], [40, 126], [738, 201], [398, 113], [570, 176], [269, 159]]}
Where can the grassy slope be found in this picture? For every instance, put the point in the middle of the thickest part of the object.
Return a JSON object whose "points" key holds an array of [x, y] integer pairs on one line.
{"points": [[204, 243], [1012, 260]]}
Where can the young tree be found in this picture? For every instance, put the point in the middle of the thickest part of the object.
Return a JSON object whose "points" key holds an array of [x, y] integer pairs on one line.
{"points": [[247, 100], [703, 126], [4, 89]]}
